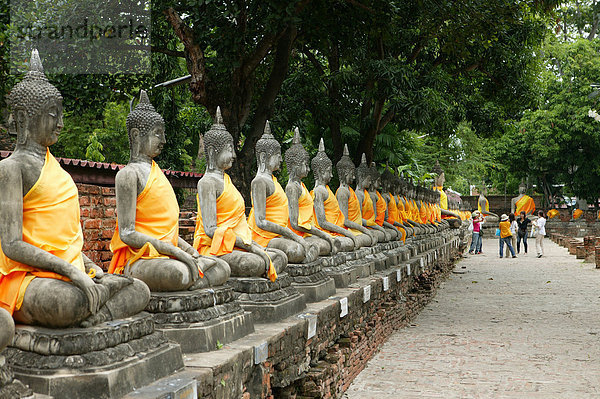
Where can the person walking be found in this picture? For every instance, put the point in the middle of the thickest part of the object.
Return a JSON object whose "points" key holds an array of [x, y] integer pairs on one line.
{"points": [[523, 223], [476, 241], [540, 225], [505, 236]]}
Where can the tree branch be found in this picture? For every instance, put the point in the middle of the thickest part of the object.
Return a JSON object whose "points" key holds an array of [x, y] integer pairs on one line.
{"points": [[172, 53], [311, 57]]}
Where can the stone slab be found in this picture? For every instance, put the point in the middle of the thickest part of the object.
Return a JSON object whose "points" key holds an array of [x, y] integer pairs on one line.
{"points": [[343, 277], [272, 311], [317, 291], [105, 384], [206, 337]]}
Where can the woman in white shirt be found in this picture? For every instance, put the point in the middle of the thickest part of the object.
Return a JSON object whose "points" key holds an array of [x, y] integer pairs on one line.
{"points": [[514, 227], [540, 225]]}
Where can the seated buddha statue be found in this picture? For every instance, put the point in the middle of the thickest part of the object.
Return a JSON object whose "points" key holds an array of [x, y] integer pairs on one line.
{"points": [[397, 189], [269, 216], [393, 216], [522, 202], [348, 201], [45, 279], [438, 185], [381, 205], [328, 215], [414, 217], [146, 243], [363, 183], [221, 226], [301, 203]]}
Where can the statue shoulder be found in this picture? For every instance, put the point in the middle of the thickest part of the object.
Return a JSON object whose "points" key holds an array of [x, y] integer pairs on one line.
{"points": [[129, 176], [210, 183]]}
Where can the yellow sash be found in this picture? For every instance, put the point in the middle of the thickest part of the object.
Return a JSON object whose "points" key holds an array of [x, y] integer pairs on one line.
{"points": [[368, 213], [277, 212], [552, 213], [333, 213], [381, 207], [525, 204], [50, 222], [443, 197], [305, 212], [156, 215]]}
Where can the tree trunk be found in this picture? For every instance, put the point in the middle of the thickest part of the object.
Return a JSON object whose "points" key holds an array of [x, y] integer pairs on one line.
{"points": [[334, 101]]}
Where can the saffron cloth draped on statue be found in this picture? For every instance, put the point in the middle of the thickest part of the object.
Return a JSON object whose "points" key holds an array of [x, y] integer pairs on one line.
{"points": [[305, 212], [50, 222], [333, 213], [381, 207], [368, 212], [156, 215], [524, 204], [276, 212]]}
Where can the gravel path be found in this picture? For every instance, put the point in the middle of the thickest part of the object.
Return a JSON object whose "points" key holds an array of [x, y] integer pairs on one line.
{"points": [[498, 328]]}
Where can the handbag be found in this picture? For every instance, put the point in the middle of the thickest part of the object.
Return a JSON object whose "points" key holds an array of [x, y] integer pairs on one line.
{"points": [[498, 232]]}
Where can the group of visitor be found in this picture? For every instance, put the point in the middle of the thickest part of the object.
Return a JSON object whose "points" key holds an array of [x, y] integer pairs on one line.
{"points": [[511, 232]]}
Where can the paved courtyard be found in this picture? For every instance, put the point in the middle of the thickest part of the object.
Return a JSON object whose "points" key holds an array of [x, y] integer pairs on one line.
{"points": [[498, 328]]}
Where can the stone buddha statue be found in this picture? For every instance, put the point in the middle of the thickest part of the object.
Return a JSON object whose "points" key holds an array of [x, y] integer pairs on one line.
{"points": [[398, 188], [438, 185], [300, 201], [146, 242], [393, 216], [364, 178], [269, 216], [483, 205], [221, 226], [522, 202], [381, 214], [349, 203], [45, 279], [328, 215]]}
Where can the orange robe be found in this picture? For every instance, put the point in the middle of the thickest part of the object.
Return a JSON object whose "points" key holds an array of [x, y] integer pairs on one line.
{"points": [[381, 207], [333, 213], [368, 212], [577, 213], [156, 215], [394, 217], [422, 213], [525, 204], [354, 213], [231, 223], [552, 213], [305, 212], [401, 210], [443, 197], [50, 222], [276, 211]]}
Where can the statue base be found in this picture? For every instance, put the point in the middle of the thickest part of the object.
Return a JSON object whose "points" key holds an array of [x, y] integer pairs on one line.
{"points": [[311, 281], [341, 271], [9, 387], [364, 266], [200, 320], [268, 301], [105, 361]]}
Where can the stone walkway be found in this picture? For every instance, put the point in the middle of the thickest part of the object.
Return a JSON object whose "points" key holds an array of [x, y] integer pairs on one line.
{"points": [[498, 328]]}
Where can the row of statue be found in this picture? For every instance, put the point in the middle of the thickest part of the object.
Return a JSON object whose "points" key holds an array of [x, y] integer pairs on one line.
{"points": [[46, 279]]}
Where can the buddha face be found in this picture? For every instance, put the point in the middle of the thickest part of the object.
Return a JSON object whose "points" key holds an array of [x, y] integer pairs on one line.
{"points": [[440, 180], [225, 157], [155, 140], [325, 175], [44, 127], [350, 176], [274, 161], [303, 168]]}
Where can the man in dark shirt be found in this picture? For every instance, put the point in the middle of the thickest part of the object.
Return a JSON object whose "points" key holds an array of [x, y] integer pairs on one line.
{"points": [[523, 222]]}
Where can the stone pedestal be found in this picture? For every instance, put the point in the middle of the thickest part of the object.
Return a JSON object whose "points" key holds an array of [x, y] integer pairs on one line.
{"points": [[311, 280], [9, 387], [341, 271], [105, 361], [268, 301], [200, 320], [358, 259]]}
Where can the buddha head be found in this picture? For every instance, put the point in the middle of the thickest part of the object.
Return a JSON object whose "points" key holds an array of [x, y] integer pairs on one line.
{"points": [[36, 106], [387, 180], [146, 129], [321, 165], [440, 177], [345, 168], [218, 145], [363, 174], [268, 151], [522, 188], [375, 176], [297, 158]]}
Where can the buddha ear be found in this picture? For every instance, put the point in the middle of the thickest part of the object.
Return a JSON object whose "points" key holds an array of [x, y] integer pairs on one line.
{"points": [[211, 158], [135, 133], [22, 126]]}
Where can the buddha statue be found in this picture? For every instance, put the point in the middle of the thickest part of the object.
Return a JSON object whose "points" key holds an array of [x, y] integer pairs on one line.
{"points": [[398, 188], [269, 216], [363, 184], [328, 215], [45, 279], [522, 202], [349, 203], [393, 215], [438, 185], [146, 242], [221, 226], [483, 205], [300, 202], [412, 209], [381, 205]]}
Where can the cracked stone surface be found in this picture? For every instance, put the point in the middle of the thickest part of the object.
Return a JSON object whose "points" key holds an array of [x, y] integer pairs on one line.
{"points": [[498, 328]]}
